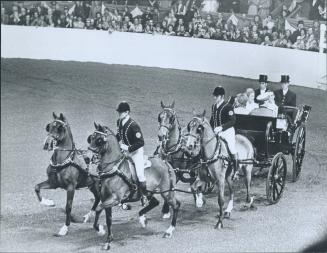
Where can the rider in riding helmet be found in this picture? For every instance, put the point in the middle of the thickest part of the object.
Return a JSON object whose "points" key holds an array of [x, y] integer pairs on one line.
{"points": [[222, 121], [131, 140]]}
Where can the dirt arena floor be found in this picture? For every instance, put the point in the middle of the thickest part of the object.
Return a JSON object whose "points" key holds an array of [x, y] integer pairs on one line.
{"points": [[86, 92]]}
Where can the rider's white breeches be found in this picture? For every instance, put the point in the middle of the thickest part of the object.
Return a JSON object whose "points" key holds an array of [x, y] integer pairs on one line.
{"points": [[138, 159], [229, 136]]}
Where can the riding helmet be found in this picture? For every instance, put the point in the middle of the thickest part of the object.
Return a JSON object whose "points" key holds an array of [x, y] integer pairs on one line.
{"points": [[218, 91], [123, 107]]}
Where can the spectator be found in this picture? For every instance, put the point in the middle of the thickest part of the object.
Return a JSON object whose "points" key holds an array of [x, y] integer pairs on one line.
{"points": [[157, 29], [4, 16], [28, 21], [189, 14], [266, 41], [297, 32], [61, 22], [170, 31], [56, 15], [98, 21], [264, 8], [312, 44], [209, 21], [179, 24], [146, 16], [127, 13], [79, 10], [148, 29], [268, 22], [299, 44], [88, 24], [316, 29], [79, 24], [138, 26], [202, 33], [190, 30], [87, 8], [238, 36], [314, 13], [253, 7], [180, 10], [156, 16], [255, 39], [171, 19], [96, 8], [303, 35], [246, 36], [164, 26], [274, 39], [155, 4]]}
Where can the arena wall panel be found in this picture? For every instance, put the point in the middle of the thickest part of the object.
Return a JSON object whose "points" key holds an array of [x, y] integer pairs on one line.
{"points": [[219, 57]]}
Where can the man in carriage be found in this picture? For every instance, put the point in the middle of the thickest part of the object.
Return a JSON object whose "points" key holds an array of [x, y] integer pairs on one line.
{"points": [[222, 121], [130, 138]]}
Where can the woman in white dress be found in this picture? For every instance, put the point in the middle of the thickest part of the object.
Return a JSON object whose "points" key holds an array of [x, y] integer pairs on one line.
{"points": [[250, 104], [210, 5], [241, 101]]}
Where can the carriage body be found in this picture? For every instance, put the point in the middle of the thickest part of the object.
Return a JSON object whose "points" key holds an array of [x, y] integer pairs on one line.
{"points": [[273, 138]]}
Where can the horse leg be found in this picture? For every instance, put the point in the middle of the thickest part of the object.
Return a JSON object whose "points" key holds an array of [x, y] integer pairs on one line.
{"points": [[230, 205], [247, 180], [106, 246], [44, 201], [153, 202], [175, 204], [165, 210], [96, 226], [197, 187], [221, 188], [69, 203], [94, 206]]}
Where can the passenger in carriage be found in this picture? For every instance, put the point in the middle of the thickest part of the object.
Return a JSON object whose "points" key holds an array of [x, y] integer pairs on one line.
{"points": [[251, 104], [263, 81], [269, 103], [131, 140], [222, 122], [242, 100]]}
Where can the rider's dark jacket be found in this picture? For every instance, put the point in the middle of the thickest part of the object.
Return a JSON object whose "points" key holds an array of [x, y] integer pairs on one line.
{"points": [[222, 116], [130, 134]]}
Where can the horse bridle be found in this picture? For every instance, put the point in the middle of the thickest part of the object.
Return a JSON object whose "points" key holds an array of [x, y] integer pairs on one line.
{"points": [[216, 155], [169, 127], [55, 140]]}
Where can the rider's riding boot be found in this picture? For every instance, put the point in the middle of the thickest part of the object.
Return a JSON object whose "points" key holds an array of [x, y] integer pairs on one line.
{"points": [[235, 166], [143, 193]]}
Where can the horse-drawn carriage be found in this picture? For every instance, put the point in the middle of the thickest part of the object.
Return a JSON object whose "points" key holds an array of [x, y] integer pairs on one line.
{"points": [[273, 138]]}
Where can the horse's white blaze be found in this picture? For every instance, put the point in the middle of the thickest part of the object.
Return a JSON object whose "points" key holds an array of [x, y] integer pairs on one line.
{"points": [[88, 216], [170, 230], [166, 215], [47, 202], [63, 230], [199, 200], [142, 220], [230, 206], [101, 231]]}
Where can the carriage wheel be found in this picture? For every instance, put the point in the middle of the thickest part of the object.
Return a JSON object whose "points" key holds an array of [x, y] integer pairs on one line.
{"points": [[298, 154], [276, 178]]}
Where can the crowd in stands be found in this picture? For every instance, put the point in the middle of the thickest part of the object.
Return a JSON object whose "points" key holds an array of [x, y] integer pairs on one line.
{"points": [[184, 19]]}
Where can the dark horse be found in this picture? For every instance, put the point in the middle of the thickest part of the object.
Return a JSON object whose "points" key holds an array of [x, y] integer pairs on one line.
{"points": [[67, 169], [172, 149], [215, 155], [119, 180]]}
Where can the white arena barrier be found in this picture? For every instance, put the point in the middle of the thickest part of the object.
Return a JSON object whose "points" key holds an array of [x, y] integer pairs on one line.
{"points": [[211, 56]]}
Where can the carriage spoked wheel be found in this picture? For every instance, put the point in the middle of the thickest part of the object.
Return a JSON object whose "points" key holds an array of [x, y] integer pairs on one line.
{"points": [[276, 178], [298, 154]]}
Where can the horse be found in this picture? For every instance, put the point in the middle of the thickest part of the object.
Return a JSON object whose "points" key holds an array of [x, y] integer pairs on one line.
{"points": [[215, 155], [171, 148], [119, 180], [67, 169]]}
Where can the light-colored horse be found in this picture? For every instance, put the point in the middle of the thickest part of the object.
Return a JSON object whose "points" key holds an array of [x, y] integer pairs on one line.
{"points": [[67, 169], [118, 180], [215, 155]]}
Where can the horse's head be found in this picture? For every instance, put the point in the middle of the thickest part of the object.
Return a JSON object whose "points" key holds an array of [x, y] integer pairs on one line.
{"points": [[166, 120], [195, 134], [57, 130], [99, 139]]}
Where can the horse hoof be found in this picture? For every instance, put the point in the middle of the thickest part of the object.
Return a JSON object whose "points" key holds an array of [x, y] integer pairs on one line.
{"points": [[227, 215], [63, 231], [219, 225], [88, 216], [166, 216], [253, 208], [126, 206], [106, 246], [101, 231], [143, 221], [167, 235], [47, 202]]}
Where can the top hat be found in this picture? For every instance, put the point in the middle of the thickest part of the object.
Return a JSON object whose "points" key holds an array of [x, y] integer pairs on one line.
{"points": [[285, 79], [263, 78]]}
